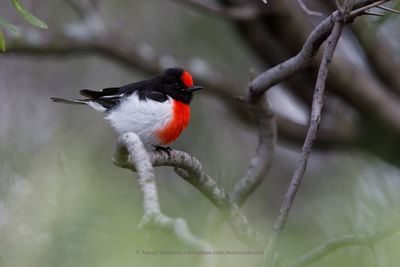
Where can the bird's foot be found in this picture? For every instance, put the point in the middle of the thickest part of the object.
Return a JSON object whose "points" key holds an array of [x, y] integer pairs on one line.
{"points": [[163, 149]]}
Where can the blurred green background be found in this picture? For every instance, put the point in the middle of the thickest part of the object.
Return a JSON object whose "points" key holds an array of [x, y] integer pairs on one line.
{"points": [[63, 202]]}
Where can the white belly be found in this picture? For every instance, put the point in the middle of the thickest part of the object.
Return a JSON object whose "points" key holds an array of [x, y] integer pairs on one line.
{"points": [[143, 117]]}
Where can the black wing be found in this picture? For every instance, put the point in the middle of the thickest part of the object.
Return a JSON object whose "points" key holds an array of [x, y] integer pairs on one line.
{"points": [[110, 97], [98, 94]]}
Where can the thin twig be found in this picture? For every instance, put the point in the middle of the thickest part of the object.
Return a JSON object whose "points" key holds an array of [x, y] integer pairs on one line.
{"points": [[347, 240], [389, 9], [338, 5], [369, 13], [308, 143], [245, 12], [360, 11], [307, 10]]}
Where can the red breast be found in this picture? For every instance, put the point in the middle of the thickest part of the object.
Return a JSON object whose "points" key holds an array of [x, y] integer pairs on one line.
{"points": [[180, 120]]}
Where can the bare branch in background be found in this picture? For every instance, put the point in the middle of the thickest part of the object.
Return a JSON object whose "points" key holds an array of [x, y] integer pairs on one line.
{"points": [[389, 9], [370, 13], [315, 119], [338, 5], [347, 240], [245, 12], [359, 89], [153, 216], [262, 158], [302, 60], [359, 11], [261, 161], [380, 55], [307, 10], [191, 170]]}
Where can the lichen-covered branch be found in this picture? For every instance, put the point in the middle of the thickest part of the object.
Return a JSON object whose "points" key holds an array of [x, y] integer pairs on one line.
{"points": [[153, 216], [191, 170]]}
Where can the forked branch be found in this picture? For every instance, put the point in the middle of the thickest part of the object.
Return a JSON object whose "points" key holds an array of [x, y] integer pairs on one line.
{"points": [[152, 215], [315, 119], [191, 170]]}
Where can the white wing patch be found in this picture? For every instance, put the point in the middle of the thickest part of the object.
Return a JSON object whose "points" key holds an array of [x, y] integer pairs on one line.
{"points": [[111, 96], [96, 106], [143, 117]]}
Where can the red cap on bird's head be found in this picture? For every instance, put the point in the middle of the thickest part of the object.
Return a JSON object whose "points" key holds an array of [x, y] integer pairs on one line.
{"points": [[180, 82], [187, 79]]}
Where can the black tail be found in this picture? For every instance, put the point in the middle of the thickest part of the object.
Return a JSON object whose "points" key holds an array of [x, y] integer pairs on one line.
{"points": [[68, 101], [105, 99]]}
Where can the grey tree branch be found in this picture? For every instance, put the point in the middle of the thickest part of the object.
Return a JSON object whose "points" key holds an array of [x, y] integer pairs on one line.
{"points": [[153, 216], [244, 12], [389, 9], [191, 170], [302, 60], [356, 87], [315, 118], [364, 94], [331, 246], [307, 10], [364, 91], [261, 161]]}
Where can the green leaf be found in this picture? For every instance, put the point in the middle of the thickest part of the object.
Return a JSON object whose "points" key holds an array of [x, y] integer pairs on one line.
{"points": [[7, 25], [2, 42], [28, 16]]}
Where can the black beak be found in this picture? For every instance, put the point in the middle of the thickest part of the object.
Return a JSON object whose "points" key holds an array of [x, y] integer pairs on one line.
{"points": [[194, 88]]}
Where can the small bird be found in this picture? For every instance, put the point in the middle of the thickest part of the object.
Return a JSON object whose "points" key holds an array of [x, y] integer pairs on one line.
{"points": [[157, 109]]}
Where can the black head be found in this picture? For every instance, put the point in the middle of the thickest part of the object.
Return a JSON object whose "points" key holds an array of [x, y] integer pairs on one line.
{"points": [[178, 84]]}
